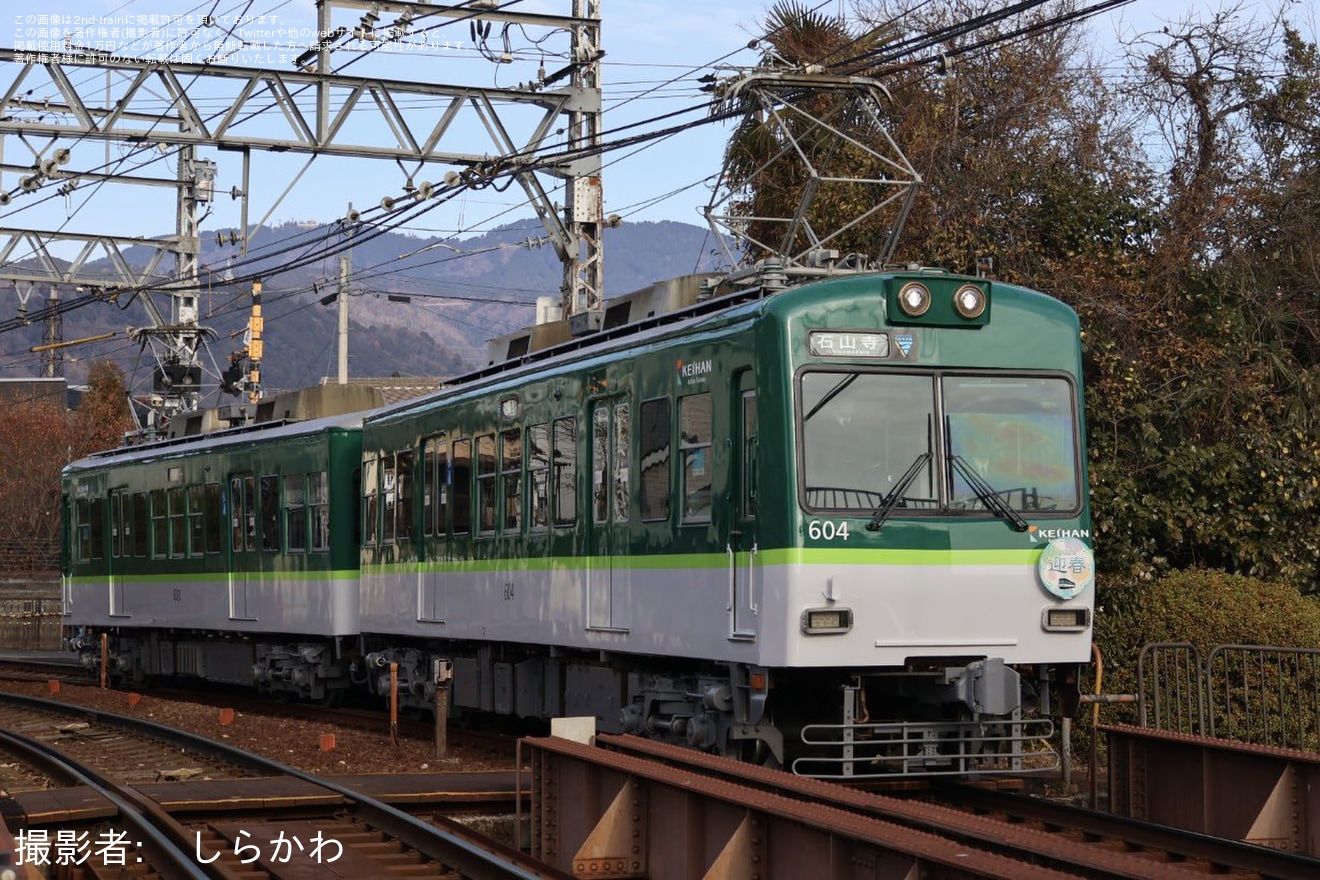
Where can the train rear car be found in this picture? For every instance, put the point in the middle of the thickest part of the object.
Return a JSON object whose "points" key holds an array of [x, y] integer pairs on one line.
{"points": [[841, 525], [231, 557]]}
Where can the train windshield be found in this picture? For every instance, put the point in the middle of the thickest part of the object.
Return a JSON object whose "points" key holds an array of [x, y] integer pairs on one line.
{"points": [[938, 443]]}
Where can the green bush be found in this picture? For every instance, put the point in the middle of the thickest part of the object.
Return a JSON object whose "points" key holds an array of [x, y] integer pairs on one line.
{"points": [[1209, 608], [1204, 607]]}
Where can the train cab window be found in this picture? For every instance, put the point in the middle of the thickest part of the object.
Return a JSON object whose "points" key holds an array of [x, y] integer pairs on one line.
{"points": [[538, 476], [389, 497], [486, 482], [404, 511], [653, 487], [160, 525], [140, 534], [196, 521], [370, 500], [212, 517], [695, 436], [511, 455], [318, 498], [270, 513], [435, 485], [178, 523], [565, 471], [863, 436], [295, 513], [462, 482], [1015, 436]]}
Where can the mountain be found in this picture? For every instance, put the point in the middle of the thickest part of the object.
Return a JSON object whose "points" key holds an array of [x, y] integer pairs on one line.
{"points": [[460, 293]]}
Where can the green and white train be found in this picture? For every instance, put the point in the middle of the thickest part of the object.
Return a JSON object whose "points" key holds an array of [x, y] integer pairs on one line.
{"points": [[841, 525]]}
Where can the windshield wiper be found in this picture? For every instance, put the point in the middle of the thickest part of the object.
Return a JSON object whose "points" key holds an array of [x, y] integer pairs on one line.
{"points": [[831, 394], [886, 508], [986, 494]]}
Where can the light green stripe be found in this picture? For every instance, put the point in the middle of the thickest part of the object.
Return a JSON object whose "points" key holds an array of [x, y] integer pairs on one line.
{"points": [[692, 561], [220, 577]]}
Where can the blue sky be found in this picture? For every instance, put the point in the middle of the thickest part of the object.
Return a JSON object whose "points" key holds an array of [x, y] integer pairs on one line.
{"points": [[647, 43]]}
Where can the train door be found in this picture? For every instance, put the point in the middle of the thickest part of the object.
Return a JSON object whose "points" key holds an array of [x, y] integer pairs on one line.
{"points": [[243, 552], [609, 593], [742, 545]]}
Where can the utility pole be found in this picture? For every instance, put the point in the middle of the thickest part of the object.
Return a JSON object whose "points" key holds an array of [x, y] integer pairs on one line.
{"points": [[52, 335], [343, 319], [584, 281], [176, 340], [412, 122]]}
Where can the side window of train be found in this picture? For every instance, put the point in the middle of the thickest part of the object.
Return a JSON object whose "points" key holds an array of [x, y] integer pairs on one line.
{"points": [[461, 474], [435, 485], [749, 454], [196, 521], [140, 535], [389, 497], [88, 515], [695, 444], [511, 458], [318, 497], [565, 471], [118, 525], [611, 432], [370, 500], [270, 513], [160, 525], [214, 517], [249, 513], [236, 513], [404, 469], [178, 522], [486, 483], [243, 513], [295, 513], [622, 457], [97, 513], [653, 460], [600, 459], [538, 476]]}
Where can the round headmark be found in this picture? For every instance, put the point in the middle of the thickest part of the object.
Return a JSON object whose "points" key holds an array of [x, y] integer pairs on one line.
{"points": [[1066, 567]]}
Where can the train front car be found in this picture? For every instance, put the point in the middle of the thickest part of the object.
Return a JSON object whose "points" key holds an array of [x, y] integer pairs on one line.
{"points": [[840, 525], [924, 534]]}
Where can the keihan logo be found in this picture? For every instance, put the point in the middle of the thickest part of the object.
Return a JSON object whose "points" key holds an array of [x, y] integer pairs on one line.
{"points": [[1044, 536], [694, 369]]}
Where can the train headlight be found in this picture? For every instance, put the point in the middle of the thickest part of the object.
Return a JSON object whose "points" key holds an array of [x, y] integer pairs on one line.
{"points": [[1066, 619], [819, 621], [969, 301], [914, 299]]}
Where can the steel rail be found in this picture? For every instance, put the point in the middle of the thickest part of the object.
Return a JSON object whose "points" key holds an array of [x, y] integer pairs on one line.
{"points": [[1044, 847], [445, 842]]}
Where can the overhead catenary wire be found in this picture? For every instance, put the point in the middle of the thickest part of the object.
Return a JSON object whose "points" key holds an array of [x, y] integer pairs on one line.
{"points": [[320, 244]]}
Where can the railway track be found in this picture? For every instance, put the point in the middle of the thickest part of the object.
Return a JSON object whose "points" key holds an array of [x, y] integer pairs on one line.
{"points": [[344, 834], [363, 718], [964, 833]]}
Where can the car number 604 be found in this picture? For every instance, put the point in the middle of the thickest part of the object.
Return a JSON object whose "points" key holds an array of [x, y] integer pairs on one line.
{"points": [[827, 530]]}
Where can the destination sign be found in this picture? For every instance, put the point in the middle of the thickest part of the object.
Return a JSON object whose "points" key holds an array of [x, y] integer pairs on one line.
{"points": [[842, 343]]}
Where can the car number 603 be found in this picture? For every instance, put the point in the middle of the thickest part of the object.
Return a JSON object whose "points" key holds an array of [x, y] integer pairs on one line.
{"points": [[827, 530]]}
